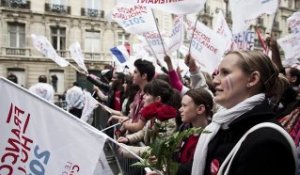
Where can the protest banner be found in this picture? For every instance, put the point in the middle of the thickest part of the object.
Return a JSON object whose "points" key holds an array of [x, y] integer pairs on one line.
{"points": [[77, 56], [42, 44], [155, 43], [134, 19], [220, 26], [243, 41], [89, 105], [40, 138], [294, 22], [177, 36], [171, 6], [290, 44], [207, 47], [245, 11]]}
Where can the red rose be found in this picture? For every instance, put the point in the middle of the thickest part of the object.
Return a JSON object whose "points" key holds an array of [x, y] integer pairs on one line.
{"points": [[150, 111], [166, 112]]}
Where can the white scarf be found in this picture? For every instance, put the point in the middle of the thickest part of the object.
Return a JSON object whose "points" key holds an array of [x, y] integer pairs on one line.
{"points": [[221, 119]]}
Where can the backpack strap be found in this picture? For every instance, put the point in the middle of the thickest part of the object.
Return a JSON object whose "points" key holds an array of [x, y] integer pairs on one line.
{"points": [[228, 161]]}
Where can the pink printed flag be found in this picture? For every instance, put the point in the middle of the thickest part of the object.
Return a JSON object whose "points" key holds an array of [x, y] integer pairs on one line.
{"points": [[171, 6], [42, 44], [40, 138], [207, 46], [135, 19]]}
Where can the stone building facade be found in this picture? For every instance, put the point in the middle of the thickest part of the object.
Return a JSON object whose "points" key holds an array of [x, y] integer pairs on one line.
{"points": [[66, 21]]}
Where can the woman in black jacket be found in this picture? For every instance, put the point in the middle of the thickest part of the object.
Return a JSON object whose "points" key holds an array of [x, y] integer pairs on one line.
{"points": [[243, 85]]}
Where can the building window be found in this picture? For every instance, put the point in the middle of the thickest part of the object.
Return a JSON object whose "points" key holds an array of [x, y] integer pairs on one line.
{"points": [[290, 3], [57, 78], [93, 7], [58, 38], [19, 73], [16, 32], [59, 5], [123, 38], [92, 42]]}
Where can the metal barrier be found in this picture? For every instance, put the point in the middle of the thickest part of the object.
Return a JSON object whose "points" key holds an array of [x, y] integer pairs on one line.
{"points": [[118, 164]]}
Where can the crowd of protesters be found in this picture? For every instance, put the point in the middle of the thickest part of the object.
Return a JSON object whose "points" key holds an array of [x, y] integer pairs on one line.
{"points": [[250, 108]]}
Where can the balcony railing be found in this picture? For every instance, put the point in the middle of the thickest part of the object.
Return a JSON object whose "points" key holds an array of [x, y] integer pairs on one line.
{"points": [[92, 12], [10, 51], [63, 53], [57, 8], [97, 56], [15, 4]]}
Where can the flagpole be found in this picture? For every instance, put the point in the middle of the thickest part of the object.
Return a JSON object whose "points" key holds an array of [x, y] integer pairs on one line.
{"points": [[114, 125], [76, 68], [152, 50], [162, 42], [195, 25]]}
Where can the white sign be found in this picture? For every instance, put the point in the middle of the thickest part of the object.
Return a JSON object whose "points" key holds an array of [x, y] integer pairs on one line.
{"points": [[77, 55], [243, 41], [42, 44], [39, 138], [207, 46], [134, 19], [176, 38], [245, 11], [290, 44], [171, 6], [294, 22], [221, 27]]}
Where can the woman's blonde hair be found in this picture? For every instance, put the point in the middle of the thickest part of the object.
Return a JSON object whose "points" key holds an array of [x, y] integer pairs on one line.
{"points": [[272, 83]]}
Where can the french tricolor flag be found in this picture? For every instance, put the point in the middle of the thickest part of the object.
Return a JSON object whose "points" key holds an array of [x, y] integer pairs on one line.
{"points": [[120, 54]]}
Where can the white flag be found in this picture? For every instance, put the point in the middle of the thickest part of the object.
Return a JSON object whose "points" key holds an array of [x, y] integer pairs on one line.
{"points": [[134, 19], [243, 41], [294, 22], [155, 42], [290, 44], [77, 55], [207, 46], [44, 46], [39, 138], [177, 36], [221, 27], [171, 6], [89, 105], [245, 11]]}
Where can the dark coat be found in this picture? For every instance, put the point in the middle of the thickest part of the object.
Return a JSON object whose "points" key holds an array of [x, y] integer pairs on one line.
{"points": [[263, 152]]}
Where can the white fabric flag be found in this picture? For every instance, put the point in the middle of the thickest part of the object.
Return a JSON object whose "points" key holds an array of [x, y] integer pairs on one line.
{"points": [[171, 6], [176, 38], [207, 46], [44, 46], [77, 56], [221, 27], [40, 138], [294, 22], [89, 105], [243, 41], [290, 44], [134, 19], [153, 39], [244, 11]]}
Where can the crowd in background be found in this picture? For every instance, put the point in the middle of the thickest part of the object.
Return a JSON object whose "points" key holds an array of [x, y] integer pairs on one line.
{"points": [[246, 90]]}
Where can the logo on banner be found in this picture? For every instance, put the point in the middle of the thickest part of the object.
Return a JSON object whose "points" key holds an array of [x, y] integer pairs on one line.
{"points": [[19, 146]]}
